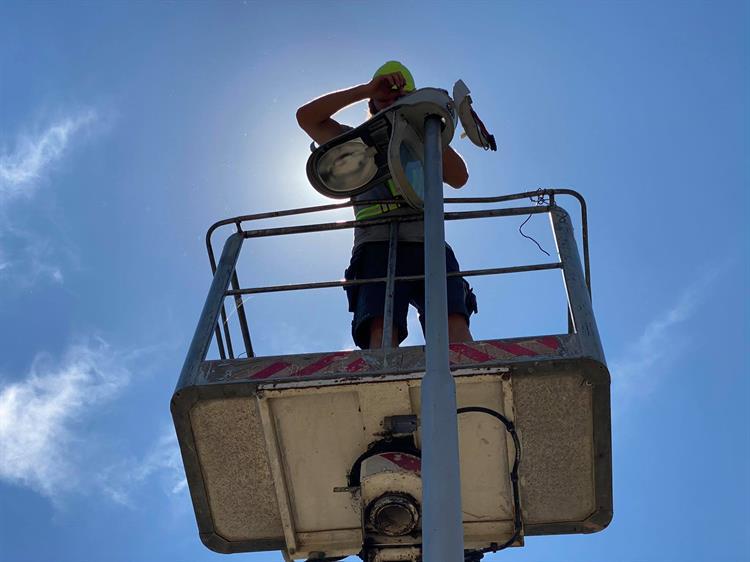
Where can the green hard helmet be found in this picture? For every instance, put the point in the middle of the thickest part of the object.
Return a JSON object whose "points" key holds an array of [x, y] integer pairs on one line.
{"points": [[394, 66]]}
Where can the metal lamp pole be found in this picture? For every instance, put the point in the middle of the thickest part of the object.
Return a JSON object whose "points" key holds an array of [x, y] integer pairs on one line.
{"points": [[442, 525]]}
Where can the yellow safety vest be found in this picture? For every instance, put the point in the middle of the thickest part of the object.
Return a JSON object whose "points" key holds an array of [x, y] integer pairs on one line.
{"points": [[379, 208]]}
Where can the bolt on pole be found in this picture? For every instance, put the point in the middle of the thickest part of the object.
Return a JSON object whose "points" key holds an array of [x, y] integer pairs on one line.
{"points": [[442, 521]]}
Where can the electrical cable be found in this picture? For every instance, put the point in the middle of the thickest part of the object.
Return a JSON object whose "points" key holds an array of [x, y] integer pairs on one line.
{"points": [[476, 555], [540, 199], [405, 445]]}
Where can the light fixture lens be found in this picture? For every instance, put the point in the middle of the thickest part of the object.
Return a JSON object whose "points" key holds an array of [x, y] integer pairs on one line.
{"points": [[394, 515], [348, 166], [413, 168]]}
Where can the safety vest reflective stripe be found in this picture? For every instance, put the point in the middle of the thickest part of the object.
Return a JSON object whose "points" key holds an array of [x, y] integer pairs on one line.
{"points": [[391, 187], [380, 208], [375, 210]]}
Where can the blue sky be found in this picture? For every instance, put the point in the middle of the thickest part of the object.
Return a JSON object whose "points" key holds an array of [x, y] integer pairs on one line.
{"points": [[127, 129]]}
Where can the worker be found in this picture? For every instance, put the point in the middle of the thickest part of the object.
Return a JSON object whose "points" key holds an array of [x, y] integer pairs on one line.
{"points": [[370, 252]]}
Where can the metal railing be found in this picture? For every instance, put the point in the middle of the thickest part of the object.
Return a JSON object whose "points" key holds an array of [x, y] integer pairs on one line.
{"points": [[221, 328]]}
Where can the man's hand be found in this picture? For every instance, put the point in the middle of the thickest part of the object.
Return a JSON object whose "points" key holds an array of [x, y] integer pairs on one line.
{"points": [[387, 88], [315, 116]]}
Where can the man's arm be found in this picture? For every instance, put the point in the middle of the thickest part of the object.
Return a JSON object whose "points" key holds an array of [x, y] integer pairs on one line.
{"points": [[455, 173], [315, 116]]}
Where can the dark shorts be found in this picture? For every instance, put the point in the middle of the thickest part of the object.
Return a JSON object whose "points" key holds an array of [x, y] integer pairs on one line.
{"points": [[370, 260]]}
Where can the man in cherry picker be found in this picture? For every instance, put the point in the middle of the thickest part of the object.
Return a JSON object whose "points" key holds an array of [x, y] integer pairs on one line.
{"points": [[370, 253]]}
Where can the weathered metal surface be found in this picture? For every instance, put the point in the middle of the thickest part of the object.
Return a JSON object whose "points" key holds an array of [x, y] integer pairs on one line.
{"points": [[365, 363], [245, 484], [235, 470], [355, 282], [579, 297], [441, 510], [239, 220], [305, 431], [318, 432], [390, 286], [391, 494], [214, 302]]}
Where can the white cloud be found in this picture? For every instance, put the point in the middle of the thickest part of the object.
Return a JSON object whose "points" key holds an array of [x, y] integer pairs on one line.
{"points": [[123, 480], [636, 372], [40, 414], [26, 256], [21, 167]]}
